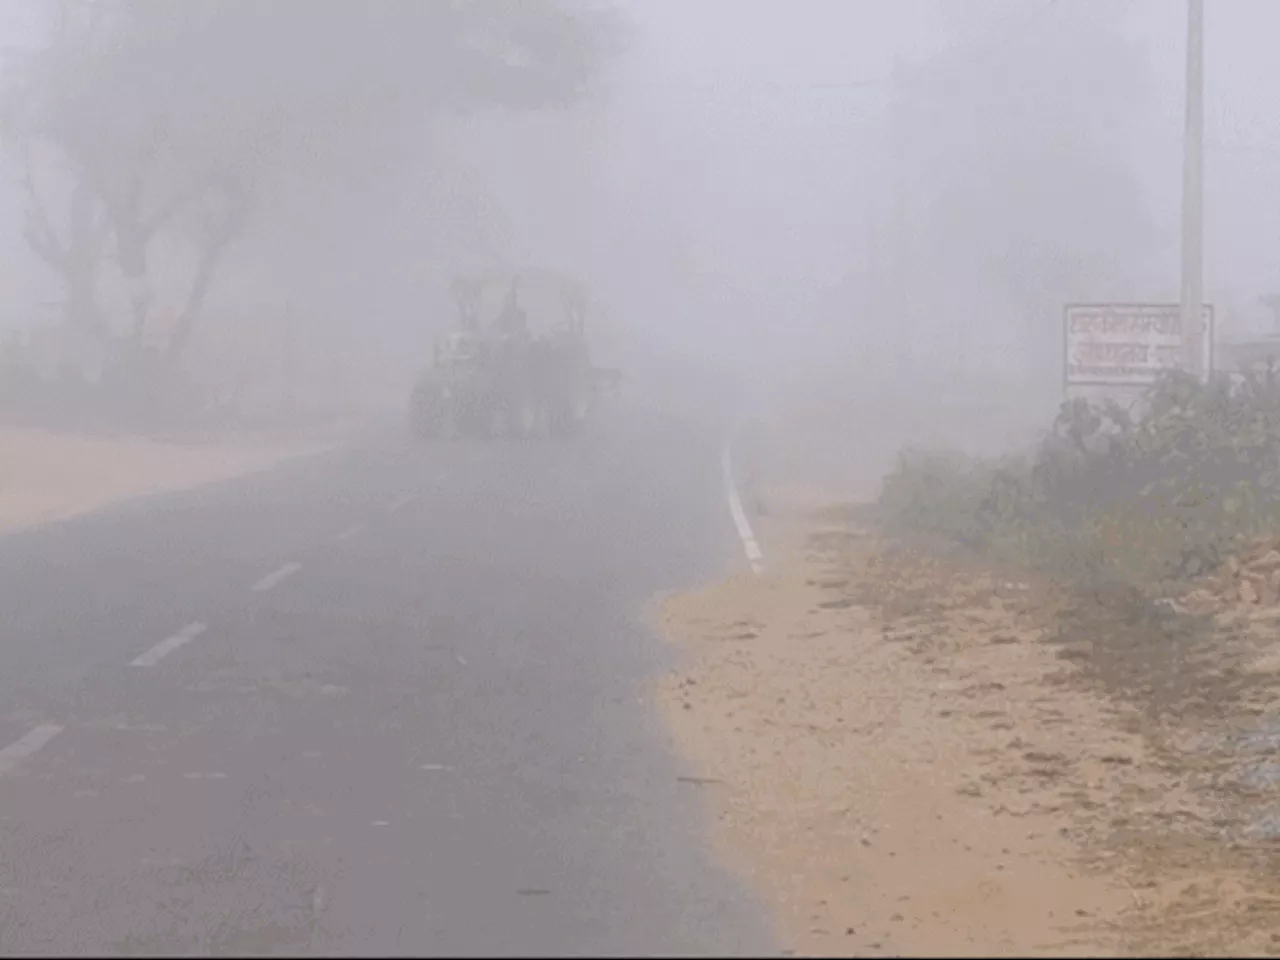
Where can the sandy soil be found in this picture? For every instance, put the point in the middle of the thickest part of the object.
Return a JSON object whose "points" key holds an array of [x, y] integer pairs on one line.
{"points": [[47, 476], [909, 755]]}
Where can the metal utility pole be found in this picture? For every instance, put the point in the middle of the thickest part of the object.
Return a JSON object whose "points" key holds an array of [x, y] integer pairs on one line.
{"points": [[1192, 301], [898, 233], [874, 286]]}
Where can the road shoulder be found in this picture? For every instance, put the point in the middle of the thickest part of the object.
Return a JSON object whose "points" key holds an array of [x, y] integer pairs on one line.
{"points": [[47, 476], [889, 784]]}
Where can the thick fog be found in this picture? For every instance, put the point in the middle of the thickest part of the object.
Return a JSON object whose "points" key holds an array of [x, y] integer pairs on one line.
{"points": [[755, 192]]}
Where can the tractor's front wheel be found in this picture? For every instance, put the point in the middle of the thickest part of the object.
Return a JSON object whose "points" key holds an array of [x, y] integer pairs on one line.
{"points": [[447, 427], [434, 414]]}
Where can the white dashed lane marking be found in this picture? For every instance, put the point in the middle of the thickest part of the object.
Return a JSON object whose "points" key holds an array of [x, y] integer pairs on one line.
{"points": [[276, 577], [20, 749], [749, 543], [170, 644], [399, 503], [352, 531]]}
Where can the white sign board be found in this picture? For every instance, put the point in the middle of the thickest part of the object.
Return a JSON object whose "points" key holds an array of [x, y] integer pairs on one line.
{"points": [[1125, 344]]}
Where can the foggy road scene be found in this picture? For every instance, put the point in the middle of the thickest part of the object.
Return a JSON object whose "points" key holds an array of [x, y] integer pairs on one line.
{"points": [[639, 478]]}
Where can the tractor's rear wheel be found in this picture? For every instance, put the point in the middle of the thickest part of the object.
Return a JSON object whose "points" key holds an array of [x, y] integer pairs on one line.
{"points": [[526, 418], [571, 414], [544, 426], [581, 407], [422, 414]]}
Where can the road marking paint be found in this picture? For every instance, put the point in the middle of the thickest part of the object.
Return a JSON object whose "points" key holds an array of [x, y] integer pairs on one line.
{"points": [[25, 746], [167, 646], [434, 766], [754, 556], [352, 531], [276, 577], [399, 503]]}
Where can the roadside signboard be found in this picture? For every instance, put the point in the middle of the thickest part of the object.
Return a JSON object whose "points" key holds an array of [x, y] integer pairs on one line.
{"points": [[1124, 346]]}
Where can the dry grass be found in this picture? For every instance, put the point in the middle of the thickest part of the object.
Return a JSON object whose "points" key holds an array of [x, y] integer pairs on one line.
{"points": [[47, 476]]}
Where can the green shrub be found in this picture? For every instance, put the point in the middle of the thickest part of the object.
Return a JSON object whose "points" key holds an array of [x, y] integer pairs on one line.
{"points": [[1155, 496]]}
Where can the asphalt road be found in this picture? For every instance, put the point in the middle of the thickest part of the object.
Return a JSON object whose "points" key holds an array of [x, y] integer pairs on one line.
{"points": [[387, 700]]}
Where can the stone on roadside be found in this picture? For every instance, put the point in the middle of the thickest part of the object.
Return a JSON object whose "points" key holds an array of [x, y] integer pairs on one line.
{"points": [[1268, 561], [1248, 592]]}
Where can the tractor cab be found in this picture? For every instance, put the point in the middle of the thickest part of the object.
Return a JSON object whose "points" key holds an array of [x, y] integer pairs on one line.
{"points": [[457, 346], [516, 363]]}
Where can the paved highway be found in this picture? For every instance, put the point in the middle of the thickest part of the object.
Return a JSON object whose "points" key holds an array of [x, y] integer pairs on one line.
{"points": [[391, 699]]}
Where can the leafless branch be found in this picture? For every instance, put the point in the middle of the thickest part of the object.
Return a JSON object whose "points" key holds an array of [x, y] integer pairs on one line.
{"points": [[38, 230]]}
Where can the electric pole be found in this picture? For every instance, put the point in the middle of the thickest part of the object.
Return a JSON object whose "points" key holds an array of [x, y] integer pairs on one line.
{"points": [[1192, 301], [898, 220]]}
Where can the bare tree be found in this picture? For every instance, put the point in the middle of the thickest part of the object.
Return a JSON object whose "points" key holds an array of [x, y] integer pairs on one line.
{"points": [[164, 121]]}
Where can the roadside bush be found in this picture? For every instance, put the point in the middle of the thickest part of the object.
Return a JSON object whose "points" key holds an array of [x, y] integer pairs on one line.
{"points": [[1149, 496], [939, 493]]}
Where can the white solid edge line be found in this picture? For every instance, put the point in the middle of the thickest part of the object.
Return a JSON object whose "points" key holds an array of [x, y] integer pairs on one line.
{"points": [[745, 533], [275, 577], [25, 746], [354, 530], [170, 644]]}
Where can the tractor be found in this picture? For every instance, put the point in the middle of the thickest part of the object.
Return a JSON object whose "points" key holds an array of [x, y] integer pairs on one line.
{"points": [[498, 375]]}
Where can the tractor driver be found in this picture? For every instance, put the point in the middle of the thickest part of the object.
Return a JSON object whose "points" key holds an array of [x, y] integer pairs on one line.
{"points": [[512, 321]]}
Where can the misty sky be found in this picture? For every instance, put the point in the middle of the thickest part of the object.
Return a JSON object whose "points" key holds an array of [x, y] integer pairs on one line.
{"points": [[729, 190]]}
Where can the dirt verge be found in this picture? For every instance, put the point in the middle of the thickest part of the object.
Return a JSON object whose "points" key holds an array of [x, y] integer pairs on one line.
{"points": [[909, 754], [47, 476]]}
